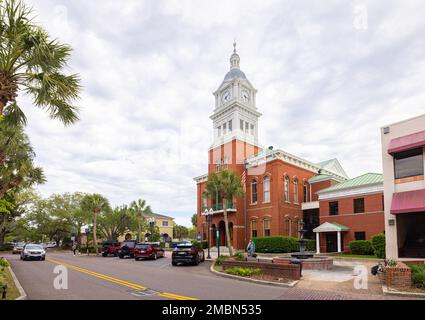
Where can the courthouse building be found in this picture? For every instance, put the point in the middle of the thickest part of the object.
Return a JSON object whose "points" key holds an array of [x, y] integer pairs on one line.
{"points": [[282, 190]]}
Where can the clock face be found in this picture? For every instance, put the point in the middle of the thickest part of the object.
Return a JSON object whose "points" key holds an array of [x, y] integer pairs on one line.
{"points": [[245, 95], [226, 96]]}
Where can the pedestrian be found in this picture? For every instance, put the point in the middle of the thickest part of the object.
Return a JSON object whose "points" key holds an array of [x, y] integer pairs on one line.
{"points": [[251, 248], [74, 247]]}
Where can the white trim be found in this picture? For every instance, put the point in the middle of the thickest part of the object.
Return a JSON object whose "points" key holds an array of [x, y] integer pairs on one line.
{"points": [[310, 205], [349, 192], [327, 227], [200, 179]]}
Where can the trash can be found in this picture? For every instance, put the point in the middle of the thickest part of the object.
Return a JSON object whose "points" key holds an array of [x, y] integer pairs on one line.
{"points": [[299, 262]]}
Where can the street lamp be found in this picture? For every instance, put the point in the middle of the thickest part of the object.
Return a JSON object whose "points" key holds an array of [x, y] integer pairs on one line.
{"points": [[208, 215], [151, 222], [87, 240]]}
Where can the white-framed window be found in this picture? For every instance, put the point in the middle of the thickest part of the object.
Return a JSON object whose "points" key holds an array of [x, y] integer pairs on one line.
{"points": [[218, 131], [224, 128], [165, 223], [254, 194], [230, 126], [252, 129], [266, 227], [266, 189], [246, 127], [254, 233], [296, 190], [305, 192], [241, 124], [286, 187]]}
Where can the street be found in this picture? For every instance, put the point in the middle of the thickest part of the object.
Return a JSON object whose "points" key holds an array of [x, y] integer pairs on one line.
{"points": [[91, 277]]}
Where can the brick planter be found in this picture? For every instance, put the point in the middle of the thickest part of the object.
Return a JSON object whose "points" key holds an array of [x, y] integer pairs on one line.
{"points": [[317, 263], [399, 277], [286, 271]]}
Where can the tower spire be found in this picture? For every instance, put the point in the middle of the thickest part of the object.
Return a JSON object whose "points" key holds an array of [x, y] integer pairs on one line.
{"points": [[234, 58]]}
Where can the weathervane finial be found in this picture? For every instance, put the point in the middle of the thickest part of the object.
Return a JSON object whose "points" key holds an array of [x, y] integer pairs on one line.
{"points": [[234, 46]]}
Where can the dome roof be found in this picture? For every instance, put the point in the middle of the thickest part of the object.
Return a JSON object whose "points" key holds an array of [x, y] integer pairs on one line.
{"points": [[235, 73]]}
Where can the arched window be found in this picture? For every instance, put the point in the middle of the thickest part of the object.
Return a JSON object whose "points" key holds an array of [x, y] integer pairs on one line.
{"points": [[295, 190], [305, 192], [204, 201], [266, 189], [286, 189], [254, 191]]}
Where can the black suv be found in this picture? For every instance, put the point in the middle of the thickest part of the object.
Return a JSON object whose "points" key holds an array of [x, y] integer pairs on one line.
{"points": [[187, 253], [127, 249]]}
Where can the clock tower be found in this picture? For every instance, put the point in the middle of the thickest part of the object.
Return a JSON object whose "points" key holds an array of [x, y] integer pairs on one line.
{"points": [[235, 119]]}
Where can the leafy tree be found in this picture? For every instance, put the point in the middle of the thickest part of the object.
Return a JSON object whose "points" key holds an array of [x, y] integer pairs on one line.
{"points": [[194, 219], [140, 210], [33, 63], [96, 204], [226, 185], [114, 223], [180, 232]]}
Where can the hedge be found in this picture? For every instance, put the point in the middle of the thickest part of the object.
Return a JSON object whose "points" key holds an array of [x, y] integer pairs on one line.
{"points": [[418, 275], [200, 244], [280, 244], [6, 247], [378, 245], [362, 247]]}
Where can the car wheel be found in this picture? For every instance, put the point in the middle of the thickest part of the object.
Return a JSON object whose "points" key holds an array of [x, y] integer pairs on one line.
{"points": [[136, 259], [174, 263], [104, 254], [155, 256], [121, 256], [20, 257], [42, 259], [196, 262], [203, 257]]}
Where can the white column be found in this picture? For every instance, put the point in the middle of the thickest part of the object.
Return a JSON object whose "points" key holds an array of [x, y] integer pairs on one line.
{"points": [[339, 240], [317, 242]]}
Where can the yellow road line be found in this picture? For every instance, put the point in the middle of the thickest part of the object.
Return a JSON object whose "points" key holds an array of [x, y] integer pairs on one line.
{"points": [[119, 281]]}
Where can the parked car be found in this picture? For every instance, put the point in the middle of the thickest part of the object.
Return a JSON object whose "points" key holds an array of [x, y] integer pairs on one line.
{"points": [[33, 251], [127, 249], [148, 250], [110, 248], [18, 247], [49, 245], [187, 253]]}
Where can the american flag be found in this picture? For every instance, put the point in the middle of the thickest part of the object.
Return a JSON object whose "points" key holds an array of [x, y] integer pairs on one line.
{"points": [[243, 180]]}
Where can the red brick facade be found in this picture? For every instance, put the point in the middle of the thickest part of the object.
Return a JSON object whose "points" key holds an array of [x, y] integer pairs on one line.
{"points": [[371, 221]]}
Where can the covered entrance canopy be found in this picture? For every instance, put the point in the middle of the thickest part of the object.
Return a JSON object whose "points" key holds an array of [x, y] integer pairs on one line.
{"points": [[329, 227]]}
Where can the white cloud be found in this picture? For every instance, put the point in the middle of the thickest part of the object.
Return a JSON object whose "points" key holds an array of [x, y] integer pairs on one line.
{"points": [[149, 67]]}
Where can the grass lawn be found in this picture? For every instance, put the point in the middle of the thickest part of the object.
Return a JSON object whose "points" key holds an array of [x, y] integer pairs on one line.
{"points": [[12, 291], [355, 256]]}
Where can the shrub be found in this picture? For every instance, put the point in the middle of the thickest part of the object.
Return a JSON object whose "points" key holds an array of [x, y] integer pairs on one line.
{"points": [[220, 259], [243, 272], [418, 275], [3, 264], [200, 245], [6, 247], [362, 247], [280, 244], [239, 256], [378, 245]]}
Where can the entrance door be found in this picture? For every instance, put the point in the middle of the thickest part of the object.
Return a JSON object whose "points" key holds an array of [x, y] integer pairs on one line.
{"points": [[331, 242]]}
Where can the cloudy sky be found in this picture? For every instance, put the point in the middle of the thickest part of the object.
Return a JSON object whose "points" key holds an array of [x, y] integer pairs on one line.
{"points": [[329, 74]]}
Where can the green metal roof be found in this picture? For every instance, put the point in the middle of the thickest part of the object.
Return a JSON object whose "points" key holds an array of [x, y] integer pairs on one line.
{"points": [[343, 228], [363, 180]]}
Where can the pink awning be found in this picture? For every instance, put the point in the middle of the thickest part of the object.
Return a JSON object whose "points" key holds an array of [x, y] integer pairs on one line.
{"points": [[408, 142], [408, 202]]}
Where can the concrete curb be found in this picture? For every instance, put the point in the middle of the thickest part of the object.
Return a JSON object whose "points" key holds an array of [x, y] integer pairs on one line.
{"points": [[23, 295], [388, 292], [224, 275]]}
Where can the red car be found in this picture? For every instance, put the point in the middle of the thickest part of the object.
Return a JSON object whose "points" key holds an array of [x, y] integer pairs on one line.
{"points": [[110, 248], [148, 250]]}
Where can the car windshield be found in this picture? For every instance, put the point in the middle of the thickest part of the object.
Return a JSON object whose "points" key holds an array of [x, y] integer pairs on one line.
{"points": [[129, 244], [142, 246], [34, 247]]}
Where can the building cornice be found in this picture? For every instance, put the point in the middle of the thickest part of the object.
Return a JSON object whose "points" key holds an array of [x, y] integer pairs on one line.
{"points": [[235, 104], [200, 179]]}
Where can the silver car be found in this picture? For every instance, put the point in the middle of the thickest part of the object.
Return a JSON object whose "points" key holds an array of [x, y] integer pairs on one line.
{"points": [[33, 252], [18, 247]]}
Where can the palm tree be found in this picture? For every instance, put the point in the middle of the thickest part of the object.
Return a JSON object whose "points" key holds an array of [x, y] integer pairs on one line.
{"points": [[95, 203], [226, 185], [32, 62], [141, 210]]}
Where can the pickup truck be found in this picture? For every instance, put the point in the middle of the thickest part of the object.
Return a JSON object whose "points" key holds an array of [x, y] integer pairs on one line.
{"points": [[110, 248]]}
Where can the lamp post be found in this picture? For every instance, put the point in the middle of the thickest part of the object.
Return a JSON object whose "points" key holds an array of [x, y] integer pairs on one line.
{"points": [[208, 214], [151, 222], [87, 240]]}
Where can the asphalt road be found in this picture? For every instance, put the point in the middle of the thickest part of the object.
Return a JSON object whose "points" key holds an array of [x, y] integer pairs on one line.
{"points": [[91, 278]]}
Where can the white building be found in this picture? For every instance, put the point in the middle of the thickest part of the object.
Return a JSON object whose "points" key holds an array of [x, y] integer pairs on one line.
{"points": [[403, 146]]}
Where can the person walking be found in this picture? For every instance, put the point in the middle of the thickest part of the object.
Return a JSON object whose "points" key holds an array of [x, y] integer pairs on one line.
{"points": [[74, 247]]}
